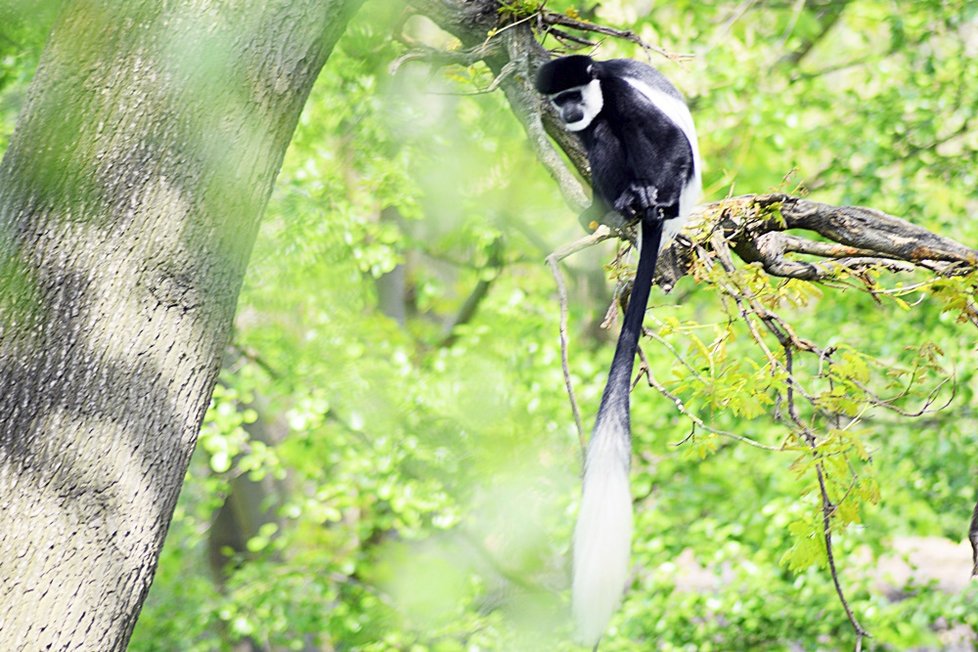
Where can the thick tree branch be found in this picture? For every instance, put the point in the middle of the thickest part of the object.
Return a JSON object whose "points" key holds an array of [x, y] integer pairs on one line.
{"points": [[868, 229], [755, 225]]}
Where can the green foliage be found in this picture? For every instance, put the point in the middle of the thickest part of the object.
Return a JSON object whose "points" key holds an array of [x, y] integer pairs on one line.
{"points": [[23, 26], [416, 481], [519, 9]]}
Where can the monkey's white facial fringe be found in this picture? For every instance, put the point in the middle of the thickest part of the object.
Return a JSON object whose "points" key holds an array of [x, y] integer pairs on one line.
{"points": [[602, 538], [592, 101]]}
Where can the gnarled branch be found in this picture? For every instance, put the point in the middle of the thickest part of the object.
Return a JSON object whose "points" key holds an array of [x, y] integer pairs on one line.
{"points": [[755, 226]]}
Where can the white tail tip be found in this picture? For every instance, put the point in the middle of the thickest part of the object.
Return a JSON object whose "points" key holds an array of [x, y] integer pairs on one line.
{"points": [[602, 538]]}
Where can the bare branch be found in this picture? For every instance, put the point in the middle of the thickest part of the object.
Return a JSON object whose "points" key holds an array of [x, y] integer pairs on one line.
{"points": [[566, 37], [553, 260], [828, 508], [868, 229], [564, 359], [859, 238], [437, 57], [473, 22], [553, 18]]}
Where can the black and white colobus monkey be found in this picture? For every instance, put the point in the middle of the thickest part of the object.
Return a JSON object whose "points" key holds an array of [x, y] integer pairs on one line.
{"points": [[641, 146]]}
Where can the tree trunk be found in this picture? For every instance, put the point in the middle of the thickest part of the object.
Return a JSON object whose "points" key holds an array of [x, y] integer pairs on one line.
{"points": [[130, 197]]}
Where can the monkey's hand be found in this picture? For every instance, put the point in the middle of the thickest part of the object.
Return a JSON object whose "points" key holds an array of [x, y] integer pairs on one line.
{"points": [[637, 199]]}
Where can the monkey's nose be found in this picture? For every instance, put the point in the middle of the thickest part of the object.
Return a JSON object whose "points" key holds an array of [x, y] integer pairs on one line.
{"points": [[571, 114]]}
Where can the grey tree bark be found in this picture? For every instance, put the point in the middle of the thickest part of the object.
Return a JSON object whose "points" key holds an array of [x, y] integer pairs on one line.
{"points": [[130, 196]]}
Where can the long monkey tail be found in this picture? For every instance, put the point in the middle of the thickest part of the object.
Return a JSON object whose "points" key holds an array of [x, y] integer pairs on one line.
{"points": [[603, 535]]}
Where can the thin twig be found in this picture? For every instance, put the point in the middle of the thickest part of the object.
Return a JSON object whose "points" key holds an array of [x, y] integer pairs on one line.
{"points": [[553, 260], [678, 402], [669, 347], [563, 36], [564, 362], [827, 507], [553, 18], [438, 57]]}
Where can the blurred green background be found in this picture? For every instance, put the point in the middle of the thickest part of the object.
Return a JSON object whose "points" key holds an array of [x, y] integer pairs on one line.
{"points": [[390, 461]]}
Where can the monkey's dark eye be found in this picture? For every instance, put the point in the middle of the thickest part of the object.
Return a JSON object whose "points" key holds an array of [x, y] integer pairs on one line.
{"points": [[563, 98]]}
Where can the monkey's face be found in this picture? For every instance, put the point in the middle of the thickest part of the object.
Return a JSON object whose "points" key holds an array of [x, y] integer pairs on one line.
{"points": [[578, 106]]}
